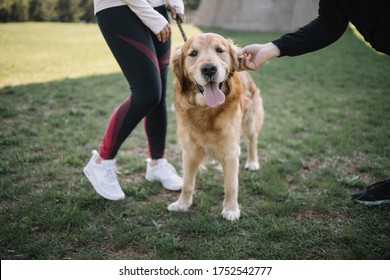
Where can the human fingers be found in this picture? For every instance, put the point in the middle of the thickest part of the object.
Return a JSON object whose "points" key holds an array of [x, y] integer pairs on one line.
{"points": [[180, 18], [168, 32], [242, 62], [164, 34], [252, 49], [248, 63], [257, 55], [173, 12]]}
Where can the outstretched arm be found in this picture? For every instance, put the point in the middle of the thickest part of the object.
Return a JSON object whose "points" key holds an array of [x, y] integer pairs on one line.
{"points": [[327, 28]]}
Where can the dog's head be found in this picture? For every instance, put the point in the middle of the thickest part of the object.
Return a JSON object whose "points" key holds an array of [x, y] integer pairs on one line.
{"points": [[204, 64]]}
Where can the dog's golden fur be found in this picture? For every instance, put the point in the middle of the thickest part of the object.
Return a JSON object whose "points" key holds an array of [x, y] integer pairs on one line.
{"points": [[215, 131]]}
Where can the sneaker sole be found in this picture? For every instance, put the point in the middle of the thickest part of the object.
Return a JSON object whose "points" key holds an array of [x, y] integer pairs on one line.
{"points": [[372, 203], [96, 186], [151, 179]]}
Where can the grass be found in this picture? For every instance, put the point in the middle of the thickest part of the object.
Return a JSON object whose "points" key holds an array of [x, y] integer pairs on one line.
{"points": [[326, 135]]}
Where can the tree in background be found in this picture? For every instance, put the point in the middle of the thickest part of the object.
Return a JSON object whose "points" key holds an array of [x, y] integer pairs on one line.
{"points": [[68, 10], [56, 10], [43, 10], [14, 10], [87, 14]]}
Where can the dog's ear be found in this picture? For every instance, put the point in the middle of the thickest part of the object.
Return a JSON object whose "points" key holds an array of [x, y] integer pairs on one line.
{"points": [[177, 65], [235, 55]]}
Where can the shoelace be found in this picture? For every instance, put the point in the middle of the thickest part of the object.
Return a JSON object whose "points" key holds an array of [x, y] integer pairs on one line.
{"points": [[111, 173], [169, 169]]}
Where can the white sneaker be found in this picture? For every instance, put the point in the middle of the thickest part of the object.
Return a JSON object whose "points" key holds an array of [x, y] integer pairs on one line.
{"points": [[103, 178], [164, 173]]}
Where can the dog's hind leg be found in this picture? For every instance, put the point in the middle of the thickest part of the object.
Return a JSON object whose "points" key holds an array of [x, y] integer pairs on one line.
{"points": [[191, 163], [252, 162], [252, 123]]}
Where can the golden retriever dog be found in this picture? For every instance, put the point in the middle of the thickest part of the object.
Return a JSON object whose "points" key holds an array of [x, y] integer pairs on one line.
{"points": [[213, 102]]}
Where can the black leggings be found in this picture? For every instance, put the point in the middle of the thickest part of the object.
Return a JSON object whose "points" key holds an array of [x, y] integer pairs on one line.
{"points": [[144, 62]]}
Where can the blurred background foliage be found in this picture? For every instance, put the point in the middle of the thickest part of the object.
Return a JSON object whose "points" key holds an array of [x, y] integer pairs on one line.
{"points": [[56, 10]]}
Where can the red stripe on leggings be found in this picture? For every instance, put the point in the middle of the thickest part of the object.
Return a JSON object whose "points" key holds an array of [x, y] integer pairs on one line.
{"points": [[164, 60], [110, 138], [144, 49]]}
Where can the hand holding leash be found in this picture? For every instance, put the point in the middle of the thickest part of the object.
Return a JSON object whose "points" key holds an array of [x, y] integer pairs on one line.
{"points": [[179, 19]]}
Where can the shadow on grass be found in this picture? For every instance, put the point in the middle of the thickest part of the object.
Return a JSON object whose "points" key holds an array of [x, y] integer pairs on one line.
{"points": [[296, 207]]}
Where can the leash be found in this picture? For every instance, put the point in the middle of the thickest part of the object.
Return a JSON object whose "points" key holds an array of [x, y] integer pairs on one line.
{"points": [[183, 34]]}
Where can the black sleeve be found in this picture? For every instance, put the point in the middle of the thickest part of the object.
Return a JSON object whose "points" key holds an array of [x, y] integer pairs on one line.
{"points": [[327, 28]]}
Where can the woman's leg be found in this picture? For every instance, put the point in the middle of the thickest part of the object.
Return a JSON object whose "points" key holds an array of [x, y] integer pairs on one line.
{"points": [[156, 120], [132, 45], [146, 71]]}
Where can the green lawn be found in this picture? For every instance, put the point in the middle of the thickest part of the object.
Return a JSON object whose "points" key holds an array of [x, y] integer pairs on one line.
{"points": [[326, 135]]}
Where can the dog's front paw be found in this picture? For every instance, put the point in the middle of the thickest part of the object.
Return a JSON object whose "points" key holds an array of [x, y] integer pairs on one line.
{"points": [[179, 207], [252, 165], [231, 215]]}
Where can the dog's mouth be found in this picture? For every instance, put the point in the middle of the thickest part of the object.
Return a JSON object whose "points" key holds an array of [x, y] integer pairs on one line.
{"points": [[212, 93]]}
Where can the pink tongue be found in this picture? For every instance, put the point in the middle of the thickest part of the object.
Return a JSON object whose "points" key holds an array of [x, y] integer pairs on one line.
{"points": [[213, 96]]}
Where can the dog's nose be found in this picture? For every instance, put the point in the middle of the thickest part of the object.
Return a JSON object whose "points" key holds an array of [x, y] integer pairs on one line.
{"points": [[208, 69]]}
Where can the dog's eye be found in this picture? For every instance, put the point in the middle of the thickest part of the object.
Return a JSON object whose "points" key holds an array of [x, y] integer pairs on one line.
{"points": [[193, 53], [219, 50]]}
